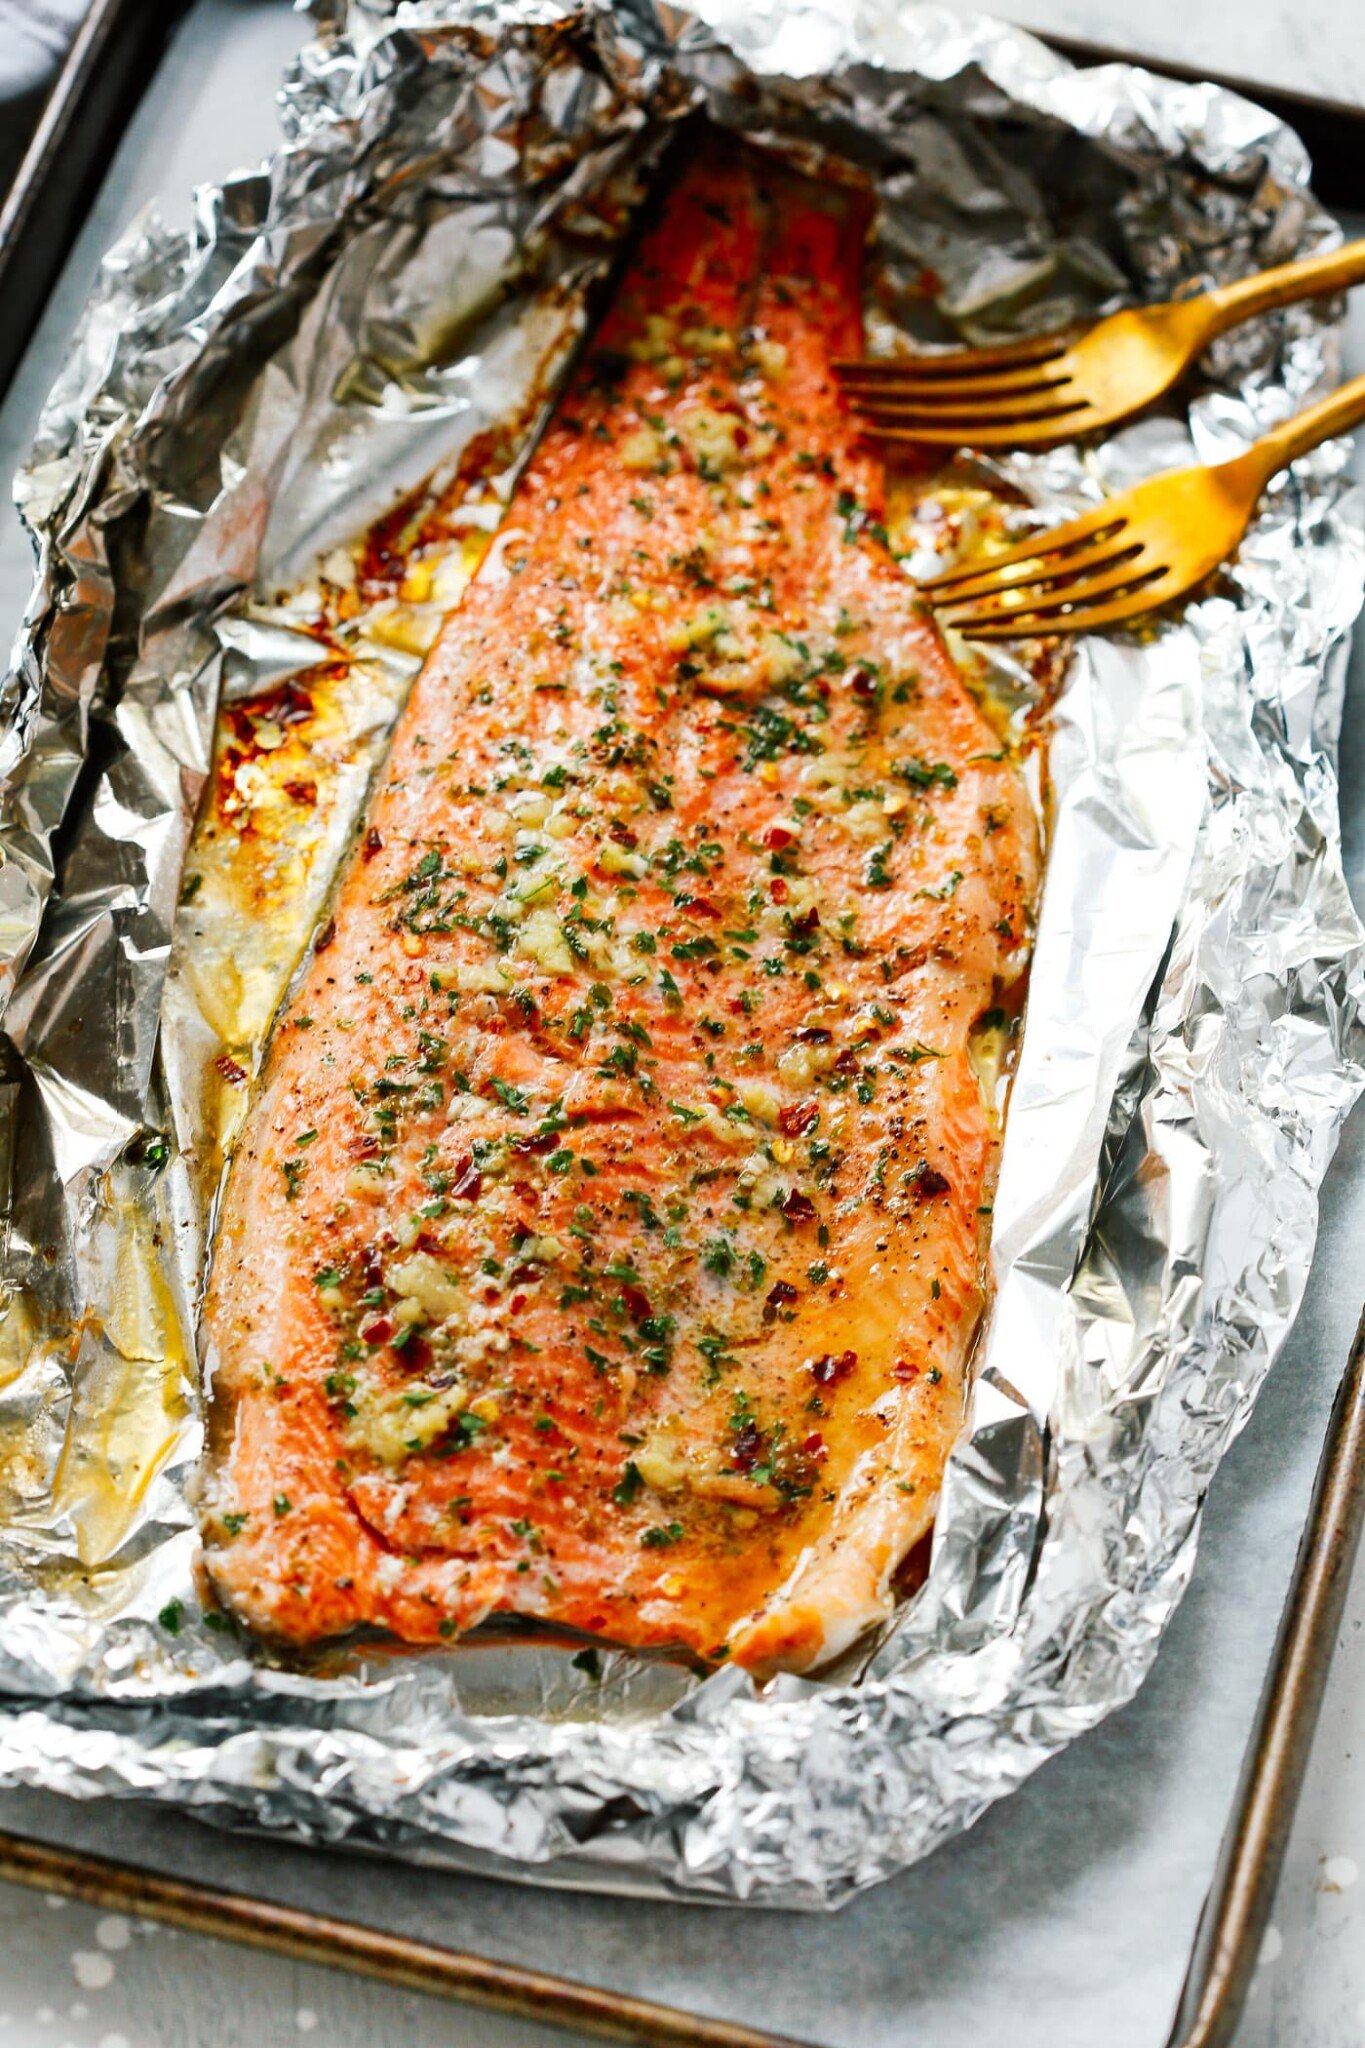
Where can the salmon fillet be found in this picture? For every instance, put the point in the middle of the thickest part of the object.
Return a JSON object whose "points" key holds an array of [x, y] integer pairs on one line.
{"points": [[606, 1242]]}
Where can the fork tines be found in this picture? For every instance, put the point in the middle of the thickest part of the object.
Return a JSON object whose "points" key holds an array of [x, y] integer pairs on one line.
{"points": [[1085, 574], [1021, 392]]}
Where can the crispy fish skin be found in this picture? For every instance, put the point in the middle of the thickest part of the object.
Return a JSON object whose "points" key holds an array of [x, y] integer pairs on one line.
{"points": [[606, 1242]]}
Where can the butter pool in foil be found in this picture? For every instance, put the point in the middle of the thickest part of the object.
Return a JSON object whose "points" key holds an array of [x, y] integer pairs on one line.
{"points": [[394, 295]]}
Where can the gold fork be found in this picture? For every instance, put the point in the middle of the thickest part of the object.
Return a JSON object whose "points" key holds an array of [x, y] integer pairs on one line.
{"points": [[1058, 387], [1138, 550]]}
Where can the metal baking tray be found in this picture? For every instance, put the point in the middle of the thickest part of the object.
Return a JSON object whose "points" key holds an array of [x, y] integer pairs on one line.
{"points": [[1226, 1944], [111, 56], [95, 97]]}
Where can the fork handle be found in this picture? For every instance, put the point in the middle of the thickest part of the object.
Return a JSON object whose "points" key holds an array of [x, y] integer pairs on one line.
{"points": [[1312, 277], [1338, 413]]}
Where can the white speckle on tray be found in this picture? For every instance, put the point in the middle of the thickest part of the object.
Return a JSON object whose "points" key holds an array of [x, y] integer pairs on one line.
{"points": [[1339, 1873], [114, 1931], [305, 2019], [1272, 1946], [93, 1971]]}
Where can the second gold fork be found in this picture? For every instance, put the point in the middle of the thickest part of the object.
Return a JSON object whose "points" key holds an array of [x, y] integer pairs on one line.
{"points": [[1144, 548]]}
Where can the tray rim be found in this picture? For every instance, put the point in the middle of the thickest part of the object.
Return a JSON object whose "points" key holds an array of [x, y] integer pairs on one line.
{"points": [[1237, 1910], [90, 105], [351, 1945]]}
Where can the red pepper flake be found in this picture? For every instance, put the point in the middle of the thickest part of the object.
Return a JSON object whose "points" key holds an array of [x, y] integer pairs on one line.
{"points": [[813, 1034], [747, 1446], [302, 792], [468, 1180], [377, 1330], [697, 906], [636, 1301], [927, 1183], [387, 545], [813, 1446], [797, 1117], [806, 923], [230, 1069], [517, 1304], [325, 936], [831, 1367], [294, 704], [798, 1207], [905, 1370], [778, 889], [780, 1293], [778, 837], [862, 685], [372, 844]]}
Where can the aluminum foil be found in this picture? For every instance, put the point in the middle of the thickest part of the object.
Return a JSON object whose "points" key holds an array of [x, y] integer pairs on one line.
{"points": [[411, 268]]}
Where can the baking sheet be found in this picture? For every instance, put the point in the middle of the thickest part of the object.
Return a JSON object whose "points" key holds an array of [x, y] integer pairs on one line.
{"points": [[1310, 53], [1212, 422], [1066, 1914]]}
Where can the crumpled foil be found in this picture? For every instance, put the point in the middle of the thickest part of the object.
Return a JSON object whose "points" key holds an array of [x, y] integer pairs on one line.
{"points": [[412, 265]]}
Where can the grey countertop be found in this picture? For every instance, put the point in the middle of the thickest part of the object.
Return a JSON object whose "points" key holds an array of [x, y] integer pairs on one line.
{"points": [[1049, 1877], [1311, 47]]}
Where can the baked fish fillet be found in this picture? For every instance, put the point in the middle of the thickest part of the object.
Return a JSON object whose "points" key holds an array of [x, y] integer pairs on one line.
{"points": [[605, 1244]]}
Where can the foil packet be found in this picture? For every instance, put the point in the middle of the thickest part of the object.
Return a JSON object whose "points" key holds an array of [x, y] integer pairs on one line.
{"points": [[407, 276]]}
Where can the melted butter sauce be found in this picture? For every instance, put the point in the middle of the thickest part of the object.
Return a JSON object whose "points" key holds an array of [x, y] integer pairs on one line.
{"points": [[89, 1416], [292, 768], [131, 1396]]}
